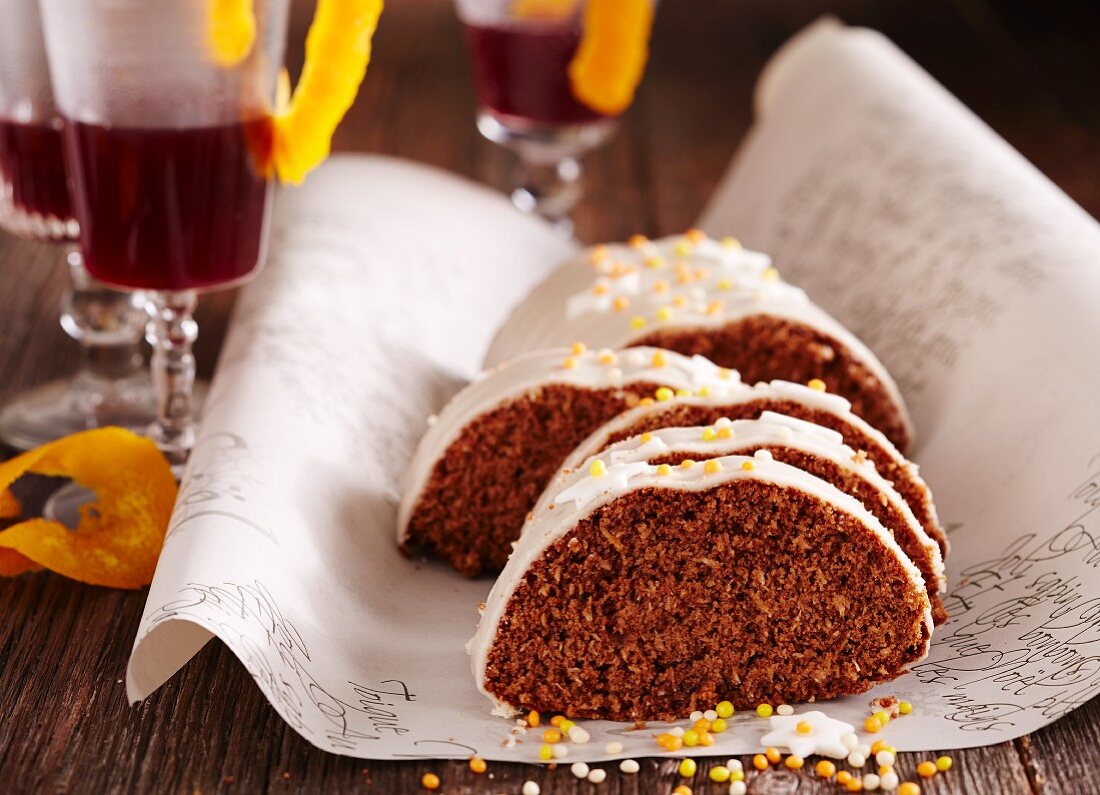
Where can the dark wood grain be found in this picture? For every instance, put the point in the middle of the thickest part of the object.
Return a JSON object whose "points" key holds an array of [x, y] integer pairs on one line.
{"points": [[1028, 68]]}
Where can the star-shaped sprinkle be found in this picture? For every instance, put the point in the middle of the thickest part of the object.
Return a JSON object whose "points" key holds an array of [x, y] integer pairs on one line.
{"points": [[808, 734]]}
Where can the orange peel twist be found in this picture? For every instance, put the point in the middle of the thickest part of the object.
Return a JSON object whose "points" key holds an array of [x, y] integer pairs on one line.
{"points": [[612, 54], [338, 49], [230, 30], [119, 536]]}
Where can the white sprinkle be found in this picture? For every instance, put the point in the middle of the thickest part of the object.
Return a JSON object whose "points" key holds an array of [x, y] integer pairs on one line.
{"points": [[886, 758], [629, 766], [635, 358], [864, 749], [889, 781], [849, 741], [613, 747], [738, 788], [579, 769], [764, 455], [559, 751], [871, 781], [530, 788], [856, 759], [597, 776], [710, 715], [676, 731], [734, 764], [614, 374], [782, 709], [578, 735], [432, 419], [723, 422], [696, 715], [510, 741]]}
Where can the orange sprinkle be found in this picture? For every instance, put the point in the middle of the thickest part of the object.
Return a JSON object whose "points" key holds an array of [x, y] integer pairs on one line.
{"points": [[661, 286], [843, 777], [926, 769], [579, 349], [760, 762], [637, 241], [551, 736], [646, 401], [600, 289], [804, 727], [773, 755], [620, 303], [816, 384], [855, 785], [748, 466], [715, 307], [695, 235], [599, 254], [478, 765], [909, 788], [429, 781], [659, 359], [570, 363], [794, 762], [533, 719], [825, 769]]}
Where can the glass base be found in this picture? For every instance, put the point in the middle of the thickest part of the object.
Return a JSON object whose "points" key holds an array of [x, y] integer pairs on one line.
{"points": [[64, 407]]}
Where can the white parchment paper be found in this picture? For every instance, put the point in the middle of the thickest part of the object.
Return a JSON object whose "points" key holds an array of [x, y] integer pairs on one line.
{"points": [[972, 276]]}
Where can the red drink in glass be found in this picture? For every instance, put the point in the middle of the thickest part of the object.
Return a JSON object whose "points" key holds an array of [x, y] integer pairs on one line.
{"points": [[32, 169], [171, 208], [521, 71]]}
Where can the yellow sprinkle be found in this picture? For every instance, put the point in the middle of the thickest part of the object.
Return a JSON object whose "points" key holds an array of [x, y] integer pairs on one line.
{"points": [[725, 373], [659, 359], [546, 752], [688, 766], [816, 384], [763, 710], [645, 438], [664, 313], [647, 401], [825, 768], [712, 466], [637, 322], [533, 719], [709, 435], [600, 289], [731, 243], [706, 738], [872, 725], [599, 254], [905, 707], [683, 392], [478, 765], [620, 303], [878, 745], [637, 241], [739, 775], [661, 286], [926, 769], [724, 709], [883, 716], [683, 248], [664, 393], [570, 363], [656, 263], [704, 391], [687, 463], [943, 763], [664, 469], [695, 235], [804, 727], [680, 301], [597, 470], [725, 284], [567, 724], [715, 307], [429, 781], [691, 738], [748, 466], [794, 762], [725, 433], [770, 275], [718, 725], [607, 359], [719, 774], [579, 349]]}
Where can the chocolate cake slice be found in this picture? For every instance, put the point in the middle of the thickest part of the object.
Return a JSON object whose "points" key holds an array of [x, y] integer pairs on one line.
{"points": [[483, 463], [700, 296], [645, 592], [794, 400]]}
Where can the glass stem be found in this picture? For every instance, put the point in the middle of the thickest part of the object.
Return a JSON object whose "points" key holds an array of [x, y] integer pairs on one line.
{"points": [[549, 188], [172, 332], [108, 325]]}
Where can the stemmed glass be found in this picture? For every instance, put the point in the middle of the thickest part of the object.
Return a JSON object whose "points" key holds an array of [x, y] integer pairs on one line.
{"points": [[520, 52], [111, 387], [169, 152]]}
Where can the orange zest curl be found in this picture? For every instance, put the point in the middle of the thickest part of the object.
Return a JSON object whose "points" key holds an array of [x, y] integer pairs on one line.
{"points": [[612, 54], [230, 31], [338, 49], [119, 536]]}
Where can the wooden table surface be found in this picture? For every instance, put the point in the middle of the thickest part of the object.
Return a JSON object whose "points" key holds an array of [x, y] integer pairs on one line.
{"points": [[1028, 68]]}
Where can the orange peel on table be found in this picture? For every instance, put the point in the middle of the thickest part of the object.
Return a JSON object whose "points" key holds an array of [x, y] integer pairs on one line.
{"points": [[119, 536], [230, 30], [611, 57], [338, 49]]}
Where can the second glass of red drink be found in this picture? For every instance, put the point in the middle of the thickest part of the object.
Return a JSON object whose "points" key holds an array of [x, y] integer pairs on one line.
{"points": [[169, 147]]}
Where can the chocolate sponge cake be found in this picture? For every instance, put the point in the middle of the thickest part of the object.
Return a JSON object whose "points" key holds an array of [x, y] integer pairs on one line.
{"points": [[645, 592], [701, 296]]}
